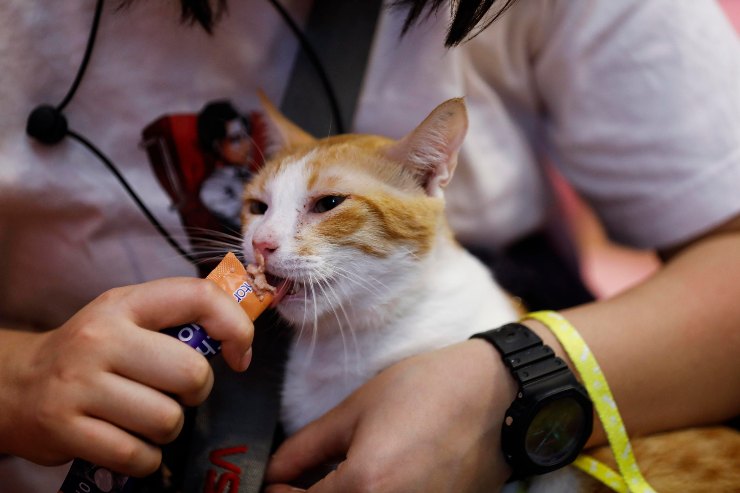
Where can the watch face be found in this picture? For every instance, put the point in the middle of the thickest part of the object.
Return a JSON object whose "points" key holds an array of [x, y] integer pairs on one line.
{"points": [[556, 430]]}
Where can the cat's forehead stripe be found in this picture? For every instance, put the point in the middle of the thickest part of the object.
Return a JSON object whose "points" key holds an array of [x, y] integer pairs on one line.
{"points": [[290, 184], [291, 172]]}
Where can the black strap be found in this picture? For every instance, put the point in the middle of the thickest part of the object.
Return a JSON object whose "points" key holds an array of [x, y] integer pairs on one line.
{"points": [[341, 33], [235, 430]]}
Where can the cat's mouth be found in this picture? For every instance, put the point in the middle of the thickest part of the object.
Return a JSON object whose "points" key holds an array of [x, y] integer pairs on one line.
{"points": [[283, 287]]}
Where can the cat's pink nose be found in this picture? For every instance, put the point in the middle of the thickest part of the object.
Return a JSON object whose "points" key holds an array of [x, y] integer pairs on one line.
{"points": [[265, 247]]}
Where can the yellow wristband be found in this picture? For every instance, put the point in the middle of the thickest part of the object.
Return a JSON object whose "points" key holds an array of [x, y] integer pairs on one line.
{"points": [[606, 407]]}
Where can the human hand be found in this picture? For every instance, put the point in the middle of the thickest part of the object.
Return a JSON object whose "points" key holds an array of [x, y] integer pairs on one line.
{"points": [[105, 386], [430, 423]]}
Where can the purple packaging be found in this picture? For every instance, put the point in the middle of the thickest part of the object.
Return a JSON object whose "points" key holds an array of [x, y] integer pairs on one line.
{"points": [[194, 336]]}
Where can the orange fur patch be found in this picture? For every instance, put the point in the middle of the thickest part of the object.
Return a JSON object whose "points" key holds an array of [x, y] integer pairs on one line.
{"points": [[375, 219], [376, 225]]}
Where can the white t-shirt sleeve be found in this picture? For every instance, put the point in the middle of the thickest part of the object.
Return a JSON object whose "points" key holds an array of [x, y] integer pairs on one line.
{"points": [[642, 103]]}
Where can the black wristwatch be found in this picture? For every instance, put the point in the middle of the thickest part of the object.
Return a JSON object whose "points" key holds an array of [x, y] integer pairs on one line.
{"points": [[550, 420]]}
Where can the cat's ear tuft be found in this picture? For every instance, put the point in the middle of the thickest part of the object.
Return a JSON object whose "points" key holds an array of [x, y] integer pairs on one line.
{"points": [[431, 149], [281, 132]]}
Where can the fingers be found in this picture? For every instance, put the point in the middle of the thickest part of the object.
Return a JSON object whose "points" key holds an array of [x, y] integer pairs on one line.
{"points": [[158, 361], [326, 439], [136, 408], [113, 448], [167, 303]]}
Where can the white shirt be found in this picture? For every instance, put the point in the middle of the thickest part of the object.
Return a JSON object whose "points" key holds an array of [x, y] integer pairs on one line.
{"points": [[637, 102]]}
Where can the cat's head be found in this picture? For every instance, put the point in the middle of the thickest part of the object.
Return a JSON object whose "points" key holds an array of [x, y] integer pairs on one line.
{"points": [[342, 220]]}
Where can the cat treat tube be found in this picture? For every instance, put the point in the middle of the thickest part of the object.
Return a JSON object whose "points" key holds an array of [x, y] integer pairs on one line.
{"points": [[253, 293]]}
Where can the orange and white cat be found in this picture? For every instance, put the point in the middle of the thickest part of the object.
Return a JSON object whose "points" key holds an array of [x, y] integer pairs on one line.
{"points": [[354, 228], [353, 231]]}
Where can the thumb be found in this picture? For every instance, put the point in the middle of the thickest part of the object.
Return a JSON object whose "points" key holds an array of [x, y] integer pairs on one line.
{"points": [[323, 441]]}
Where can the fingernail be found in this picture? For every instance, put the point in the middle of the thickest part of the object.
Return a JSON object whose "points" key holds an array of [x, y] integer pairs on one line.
{"points": [[246, 359]]}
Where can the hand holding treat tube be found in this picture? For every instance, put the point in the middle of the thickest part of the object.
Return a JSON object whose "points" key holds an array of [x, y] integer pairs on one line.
{"points": [[106, 386], [247, 287]]}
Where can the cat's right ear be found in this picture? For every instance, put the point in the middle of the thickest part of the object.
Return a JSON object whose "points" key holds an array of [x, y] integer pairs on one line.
{"points": [[430, 151], [281, 132]]}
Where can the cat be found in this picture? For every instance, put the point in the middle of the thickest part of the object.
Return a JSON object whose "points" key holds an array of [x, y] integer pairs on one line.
{"points": [[353, 232], [356, 223]]}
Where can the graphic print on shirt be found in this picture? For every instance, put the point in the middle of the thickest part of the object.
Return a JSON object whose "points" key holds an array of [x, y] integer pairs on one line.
{"points": [[203, 161]]}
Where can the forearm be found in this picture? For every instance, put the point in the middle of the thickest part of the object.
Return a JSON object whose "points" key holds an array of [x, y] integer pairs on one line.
{"points": [[669, 347], [14, 374]]}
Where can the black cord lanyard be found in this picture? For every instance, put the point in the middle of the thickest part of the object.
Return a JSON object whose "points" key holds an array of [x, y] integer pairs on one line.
{"points": [[48, 125]]}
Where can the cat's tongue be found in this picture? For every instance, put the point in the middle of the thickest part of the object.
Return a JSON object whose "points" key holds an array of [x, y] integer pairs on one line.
{"points": [[283, 287]]}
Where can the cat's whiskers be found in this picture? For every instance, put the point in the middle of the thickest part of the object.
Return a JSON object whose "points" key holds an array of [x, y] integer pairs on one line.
{"points": [[340, 329], [213, 249], [199, 254], [222, 244], [209, 245], [351, 329], [365, 281], [314, 333], [362, 281], [231, 234], [203, 236], [302, 329]]}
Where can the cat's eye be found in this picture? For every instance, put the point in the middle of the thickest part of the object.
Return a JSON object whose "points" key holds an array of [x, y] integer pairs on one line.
{"points": [[256, 207], [327, 203]]}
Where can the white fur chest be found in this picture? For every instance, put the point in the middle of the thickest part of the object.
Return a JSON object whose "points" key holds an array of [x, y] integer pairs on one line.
{"points": [[454, 297]]}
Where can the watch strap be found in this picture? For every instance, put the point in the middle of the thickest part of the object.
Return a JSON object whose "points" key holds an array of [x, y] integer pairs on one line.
{"points": [[523, 353], [543, 379]]}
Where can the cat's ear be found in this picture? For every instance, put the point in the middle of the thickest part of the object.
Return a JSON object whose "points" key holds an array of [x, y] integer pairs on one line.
{"points": [[431, 149], [281, 132]]}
